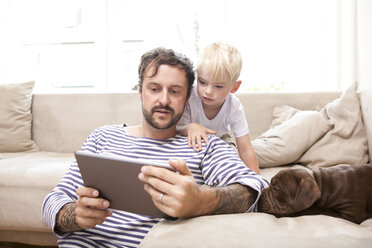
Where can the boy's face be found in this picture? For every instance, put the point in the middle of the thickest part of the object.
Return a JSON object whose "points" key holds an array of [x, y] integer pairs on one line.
{"points": [[212, 93]]}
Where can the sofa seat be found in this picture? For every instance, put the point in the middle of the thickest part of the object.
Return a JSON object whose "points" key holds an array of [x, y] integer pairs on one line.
{"points": [[26, 178], [260, 230]]}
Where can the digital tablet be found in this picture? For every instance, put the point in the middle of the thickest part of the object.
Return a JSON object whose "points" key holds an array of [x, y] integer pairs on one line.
{"points": [[116, 178]]}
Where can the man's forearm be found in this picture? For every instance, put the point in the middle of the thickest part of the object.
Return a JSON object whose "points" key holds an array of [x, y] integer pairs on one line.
{"points": [[235, 198], [66, 219]]}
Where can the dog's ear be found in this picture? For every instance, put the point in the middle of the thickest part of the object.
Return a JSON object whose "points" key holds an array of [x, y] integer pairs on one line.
{"points": [[308, 192]]}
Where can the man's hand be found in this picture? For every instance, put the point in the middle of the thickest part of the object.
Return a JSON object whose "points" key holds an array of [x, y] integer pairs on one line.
{"points": [[178, 195], [87, 212], [196, 133], [180, 191]]}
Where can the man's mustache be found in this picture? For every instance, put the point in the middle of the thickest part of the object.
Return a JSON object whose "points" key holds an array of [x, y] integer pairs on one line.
{"points": [[166, 107]]}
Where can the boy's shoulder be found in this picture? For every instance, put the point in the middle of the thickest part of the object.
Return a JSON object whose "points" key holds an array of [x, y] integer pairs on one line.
{"points": [[233, 100]]}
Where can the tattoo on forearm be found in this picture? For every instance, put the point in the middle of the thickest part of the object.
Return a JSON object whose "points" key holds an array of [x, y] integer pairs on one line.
{"points": [[66, 219], [235, 198]]}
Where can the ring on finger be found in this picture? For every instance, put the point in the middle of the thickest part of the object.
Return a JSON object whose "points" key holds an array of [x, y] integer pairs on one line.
{"points": [[160, 197]]}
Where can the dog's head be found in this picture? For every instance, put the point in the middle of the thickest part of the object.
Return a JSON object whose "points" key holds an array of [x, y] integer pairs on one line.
{"points": [[290, 191]]}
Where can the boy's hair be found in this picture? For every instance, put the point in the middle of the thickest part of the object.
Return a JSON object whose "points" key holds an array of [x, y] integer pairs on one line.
{"points": [[221, 61], [160, 56]]}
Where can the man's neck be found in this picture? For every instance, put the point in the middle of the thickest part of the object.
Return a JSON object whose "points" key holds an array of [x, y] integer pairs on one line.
{"points": [[151, 132]]}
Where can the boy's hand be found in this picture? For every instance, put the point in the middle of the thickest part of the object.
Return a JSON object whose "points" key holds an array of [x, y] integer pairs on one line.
{"points": [[195, 135]]}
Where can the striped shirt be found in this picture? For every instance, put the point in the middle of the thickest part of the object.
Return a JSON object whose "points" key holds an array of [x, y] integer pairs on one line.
{"points": [[215, 165]]}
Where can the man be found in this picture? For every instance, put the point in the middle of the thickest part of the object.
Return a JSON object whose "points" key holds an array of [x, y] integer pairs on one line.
{"points": [[215, 180]]}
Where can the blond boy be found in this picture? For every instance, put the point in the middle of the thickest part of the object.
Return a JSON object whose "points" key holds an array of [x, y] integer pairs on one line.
{"points": [[212, 108]]}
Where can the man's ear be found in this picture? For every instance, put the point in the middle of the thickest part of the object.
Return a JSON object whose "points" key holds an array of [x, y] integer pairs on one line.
{"points": [[236, 86], [140, 92]]}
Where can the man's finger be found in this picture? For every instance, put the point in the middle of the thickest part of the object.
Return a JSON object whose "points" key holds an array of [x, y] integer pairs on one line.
{"points": [[92, 213], [158, 178], [97, 203], [180, 166], [87, 191]]}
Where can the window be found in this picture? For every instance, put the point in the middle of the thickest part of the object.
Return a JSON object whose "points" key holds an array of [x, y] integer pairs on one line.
{"points": [[95, 45]]}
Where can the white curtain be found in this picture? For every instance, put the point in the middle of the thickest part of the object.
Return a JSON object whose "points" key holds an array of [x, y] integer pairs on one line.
{"points": [[347, 42], [4, 4]]}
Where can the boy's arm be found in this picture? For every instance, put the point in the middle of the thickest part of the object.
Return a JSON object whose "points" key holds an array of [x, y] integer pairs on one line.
{"points": [[196, 133], [246, 153]]}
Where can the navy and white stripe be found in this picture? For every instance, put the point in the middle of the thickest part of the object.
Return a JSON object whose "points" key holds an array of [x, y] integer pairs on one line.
{"points": [[216, 165]]}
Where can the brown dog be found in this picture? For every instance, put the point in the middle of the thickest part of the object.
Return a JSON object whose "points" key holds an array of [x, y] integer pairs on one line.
{"points": [[343, 191]]}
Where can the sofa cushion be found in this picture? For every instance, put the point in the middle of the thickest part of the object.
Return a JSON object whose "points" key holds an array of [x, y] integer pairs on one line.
{"points": [[286, 142], [259, 230], [26, 179], [16, 118], [344, 143]]}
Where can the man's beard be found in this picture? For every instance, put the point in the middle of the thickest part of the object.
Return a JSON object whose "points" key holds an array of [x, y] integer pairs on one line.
{"points": [[150, 120]]}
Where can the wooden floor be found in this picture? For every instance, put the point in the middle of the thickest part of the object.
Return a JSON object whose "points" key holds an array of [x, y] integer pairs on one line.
{"points": [[19, 245]]}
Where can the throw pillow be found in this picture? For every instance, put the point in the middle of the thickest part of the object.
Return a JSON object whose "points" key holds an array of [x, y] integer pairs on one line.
{"points": [[286, 142], [281, 114], [15, 115], [346, 142]]}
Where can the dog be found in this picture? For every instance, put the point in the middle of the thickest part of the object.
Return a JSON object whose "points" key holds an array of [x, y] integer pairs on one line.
{"points": [[343, 191]]}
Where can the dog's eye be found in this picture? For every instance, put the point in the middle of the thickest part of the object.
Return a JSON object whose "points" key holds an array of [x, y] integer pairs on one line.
{"points": [[277, 189], [274, 182]]}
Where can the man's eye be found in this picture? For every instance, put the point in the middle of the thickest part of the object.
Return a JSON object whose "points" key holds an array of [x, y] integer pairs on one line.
{"points": [[175, 92]]}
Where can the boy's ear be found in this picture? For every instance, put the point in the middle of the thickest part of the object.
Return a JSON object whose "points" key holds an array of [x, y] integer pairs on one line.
{"points": [[236, 86]]}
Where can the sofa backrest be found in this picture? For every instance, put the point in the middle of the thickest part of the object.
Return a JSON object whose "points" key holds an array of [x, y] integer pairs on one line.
{"points": [[259, 106], [61, 122]]}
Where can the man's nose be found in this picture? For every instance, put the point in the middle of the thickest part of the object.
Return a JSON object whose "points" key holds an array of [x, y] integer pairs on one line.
{"points": [[164, 98]]}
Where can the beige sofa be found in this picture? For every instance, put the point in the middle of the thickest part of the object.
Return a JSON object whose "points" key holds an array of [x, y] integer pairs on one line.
{"points": [[61, 122]]}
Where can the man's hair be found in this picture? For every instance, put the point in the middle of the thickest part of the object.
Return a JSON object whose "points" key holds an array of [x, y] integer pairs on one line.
{"points": [[162, 56], [222, 62]]}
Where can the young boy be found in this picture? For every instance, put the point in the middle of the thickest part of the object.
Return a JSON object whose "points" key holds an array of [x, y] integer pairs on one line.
{"points": [[213, 109]]}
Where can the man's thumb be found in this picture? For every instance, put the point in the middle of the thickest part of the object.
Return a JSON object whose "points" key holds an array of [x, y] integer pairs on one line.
{"points": [[180, 166]]}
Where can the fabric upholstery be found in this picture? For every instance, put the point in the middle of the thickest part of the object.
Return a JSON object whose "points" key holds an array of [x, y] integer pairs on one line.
{"points": [[286, 142], [259, 230], [365, 98], [346, 142], [258, 106], [335, 135], [16, 117], [26, 178]]}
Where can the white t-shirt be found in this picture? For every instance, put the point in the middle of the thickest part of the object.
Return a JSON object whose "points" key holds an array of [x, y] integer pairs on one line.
{"points": [[230, 117]]}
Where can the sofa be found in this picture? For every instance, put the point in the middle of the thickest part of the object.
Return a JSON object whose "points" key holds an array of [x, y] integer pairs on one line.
{"points": [[40, 132]]}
